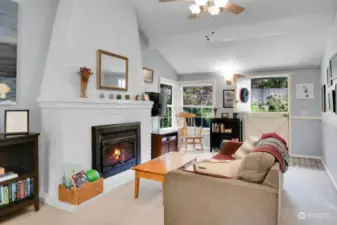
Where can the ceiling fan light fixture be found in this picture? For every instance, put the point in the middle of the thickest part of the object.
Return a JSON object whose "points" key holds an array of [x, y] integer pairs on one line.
{"points": [[201, 2], [220, 3], [214, 11], [195, 9]]}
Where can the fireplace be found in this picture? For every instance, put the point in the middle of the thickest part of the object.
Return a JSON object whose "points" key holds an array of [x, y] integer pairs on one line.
{"points": [[115, 148]]}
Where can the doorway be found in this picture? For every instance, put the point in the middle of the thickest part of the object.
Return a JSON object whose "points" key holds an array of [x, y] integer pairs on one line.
{"points": [[265, 102]]}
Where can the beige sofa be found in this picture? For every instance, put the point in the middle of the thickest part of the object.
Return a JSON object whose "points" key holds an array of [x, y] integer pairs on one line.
{"points": [[194, 199]]}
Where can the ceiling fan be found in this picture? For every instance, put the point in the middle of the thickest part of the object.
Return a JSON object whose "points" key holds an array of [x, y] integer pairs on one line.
{"points": [[213, 7]]}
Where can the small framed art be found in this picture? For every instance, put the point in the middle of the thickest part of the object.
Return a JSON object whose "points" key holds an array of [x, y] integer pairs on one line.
{"points": [[324, 98], [228, 98], [329, 76], [16, 122], [224, 115], [148, 75]]}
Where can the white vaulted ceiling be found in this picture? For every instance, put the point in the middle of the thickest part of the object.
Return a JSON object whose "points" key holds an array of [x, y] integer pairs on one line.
{"points": [[268, 34]]}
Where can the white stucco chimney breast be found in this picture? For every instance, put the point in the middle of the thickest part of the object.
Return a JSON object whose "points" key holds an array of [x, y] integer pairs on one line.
{"points": [[66, 138]]}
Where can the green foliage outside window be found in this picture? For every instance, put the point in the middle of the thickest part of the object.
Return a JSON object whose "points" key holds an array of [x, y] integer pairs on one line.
{"points": [[166, 120]]}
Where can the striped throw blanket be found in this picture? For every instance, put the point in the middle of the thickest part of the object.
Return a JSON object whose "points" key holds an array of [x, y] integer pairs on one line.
{"points": [[276, 146]]}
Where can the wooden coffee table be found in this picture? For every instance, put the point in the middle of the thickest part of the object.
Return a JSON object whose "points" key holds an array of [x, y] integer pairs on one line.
{"points": [[157, 168]]}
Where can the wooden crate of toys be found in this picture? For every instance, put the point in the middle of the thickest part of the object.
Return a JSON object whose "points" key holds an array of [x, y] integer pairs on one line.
{"points": [[84, 187]]}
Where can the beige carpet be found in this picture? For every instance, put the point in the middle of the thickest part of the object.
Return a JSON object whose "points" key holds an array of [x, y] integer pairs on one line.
{"points": [[307, 189], [118, 207]]}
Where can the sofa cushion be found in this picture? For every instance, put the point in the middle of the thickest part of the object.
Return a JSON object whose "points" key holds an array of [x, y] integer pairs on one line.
{"points": [[220, 156], [247, 147], [254, 167], [226, 168]]}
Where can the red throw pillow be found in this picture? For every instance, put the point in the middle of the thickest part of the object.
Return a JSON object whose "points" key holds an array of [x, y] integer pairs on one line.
{"points": [[220, 156], [274, 135]]}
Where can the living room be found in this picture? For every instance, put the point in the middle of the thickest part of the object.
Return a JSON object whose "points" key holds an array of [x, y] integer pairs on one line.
{"points": [[206, 62]]}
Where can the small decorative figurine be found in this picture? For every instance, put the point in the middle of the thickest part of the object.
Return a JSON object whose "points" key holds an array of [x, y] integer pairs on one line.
{"points": [[127, 97], [137, 98], [101, 95], [119, 96], [112, 96]]}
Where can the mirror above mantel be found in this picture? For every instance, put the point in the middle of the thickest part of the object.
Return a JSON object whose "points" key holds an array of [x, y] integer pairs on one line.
{"points": [[112, 71]]}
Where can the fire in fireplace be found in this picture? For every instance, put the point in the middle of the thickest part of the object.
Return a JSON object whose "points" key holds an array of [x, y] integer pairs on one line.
{"points": [[115, 148]]}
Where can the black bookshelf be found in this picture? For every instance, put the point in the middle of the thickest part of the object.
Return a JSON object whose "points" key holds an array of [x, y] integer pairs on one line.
{"points": [[19, 154], [224, 129]]}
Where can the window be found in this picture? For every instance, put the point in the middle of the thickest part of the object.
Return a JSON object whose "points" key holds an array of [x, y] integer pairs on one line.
{"points": [[198, 100], [269, 94], [166, 119]]}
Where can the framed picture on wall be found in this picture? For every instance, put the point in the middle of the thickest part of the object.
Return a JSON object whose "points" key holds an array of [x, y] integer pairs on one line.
{"points": [[329, 76], [148, 75], [329, 102], [333, 67], [324, 98], [16, 122], [228, 98], [334, 101]]}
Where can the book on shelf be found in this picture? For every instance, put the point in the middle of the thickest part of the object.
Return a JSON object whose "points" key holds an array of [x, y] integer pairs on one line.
{"points": [[16, 190], [8, 176]]}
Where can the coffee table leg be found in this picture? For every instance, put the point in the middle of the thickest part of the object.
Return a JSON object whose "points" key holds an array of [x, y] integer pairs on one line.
{"points": [[136, 185]]}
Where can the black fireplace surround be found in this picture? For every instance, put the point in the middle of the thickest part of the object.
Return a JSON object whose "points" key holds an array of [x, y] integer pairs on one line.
{"points": [[115, 148]]}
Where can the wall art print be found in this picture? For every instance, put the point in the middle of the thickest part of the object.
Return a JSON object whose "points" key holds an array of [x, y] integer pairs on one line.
{"points": [[305, 91], [8, 51]]}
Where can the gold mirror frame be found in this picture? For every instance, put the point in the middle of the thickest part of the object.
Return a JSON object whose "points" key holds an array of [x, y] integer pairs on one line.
{"points": [[101, 52]]}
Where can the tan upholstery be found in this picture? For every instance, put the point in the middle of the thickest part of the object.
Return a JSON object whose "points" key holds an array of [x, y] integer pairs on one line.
{"points": [[225, 168], [255, 166], [194, 199]]}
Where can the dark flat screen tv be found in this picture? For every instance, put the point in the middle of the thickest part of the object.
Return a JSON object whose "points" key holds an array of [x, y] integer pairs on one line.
{"points": [[156, 99]]}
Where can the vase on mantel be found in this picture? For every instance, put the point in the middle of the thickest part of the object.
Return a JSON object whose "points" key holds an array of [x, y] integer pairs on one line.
{"points": [[84, 73], [84, 86]]}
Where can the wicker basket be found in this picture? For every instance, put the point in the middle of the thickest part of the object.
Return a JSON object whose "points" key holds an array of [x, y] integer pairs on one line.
{"points": [[77, 196]]}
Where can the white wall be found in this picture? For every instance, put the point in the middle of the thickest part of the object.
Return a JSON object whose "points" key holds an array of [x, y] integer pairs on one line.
{"points": [[152, 59], [82, 27], [306, 137], [36, 18], [329, 124]]}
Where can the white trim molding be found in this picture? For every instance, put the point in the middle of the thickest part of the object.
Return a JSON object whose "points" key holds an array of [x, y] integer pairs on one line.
{"points": [[306, 118], [84, 103]]}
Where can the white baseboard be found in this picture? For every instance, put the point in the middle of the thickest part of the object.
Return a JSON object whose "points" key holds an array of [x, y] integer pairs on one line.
{"points": [[334, 183], [306, 156]]}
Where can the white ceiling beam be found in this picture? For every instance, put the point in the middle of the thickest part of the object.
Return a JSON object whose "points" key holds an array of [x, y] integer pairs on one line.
{"points": [[307, 24]]}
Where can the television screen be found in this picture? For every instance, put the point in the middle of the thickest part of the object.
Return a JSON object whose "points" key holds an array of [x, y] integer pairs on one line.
{"points": [[156, 99]]}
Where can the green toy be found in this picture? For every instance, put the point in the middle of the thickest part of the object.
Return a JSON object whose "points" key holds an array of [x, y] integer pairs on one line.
{"points": [[92, 175]]}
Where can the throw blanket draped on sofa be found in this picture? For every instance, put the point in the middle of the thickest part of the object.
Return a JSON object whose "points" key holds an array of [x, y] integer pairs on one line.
{"points": [[277, 147]]}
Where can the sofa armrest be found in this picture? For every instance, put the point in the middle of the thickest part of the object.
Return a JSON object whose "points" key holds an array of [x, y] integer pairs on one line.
{"points": [[196, 199], [229, 147]]}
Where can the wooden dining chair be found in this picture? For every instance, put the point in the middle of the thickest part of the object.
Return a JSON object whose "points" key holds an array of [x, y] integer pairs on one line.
{"points": [[185, 138]]}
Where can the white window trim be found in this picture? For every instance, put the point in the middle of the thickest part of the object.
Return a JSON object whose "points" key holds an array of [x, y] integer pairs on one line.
{"points": [[197, 83], [174, 85]]}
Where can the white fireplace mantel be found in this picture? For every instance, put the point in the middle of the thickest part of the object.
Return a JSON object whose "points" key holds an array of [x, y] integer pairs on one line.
{"points": [[85, 103]]}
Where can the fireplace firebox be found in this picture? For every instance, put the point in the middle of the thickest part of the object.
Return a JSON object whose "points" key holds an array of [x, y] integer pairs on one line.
{"points": [[115, 148]]}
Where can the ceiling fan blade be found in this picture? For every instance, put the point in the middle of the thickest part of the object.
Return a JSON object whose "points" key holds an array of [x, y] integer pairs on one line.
{"points": [[234, 8]]}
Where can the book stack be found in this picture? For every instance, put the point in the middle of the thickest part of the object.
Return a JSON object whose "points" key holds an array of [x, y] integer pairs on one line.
{"points": [[16, 191]]}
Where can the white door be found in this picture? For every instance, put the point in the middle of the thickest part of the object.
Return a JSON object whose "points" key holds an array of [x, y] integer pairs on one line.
{"points": [[258, 123]]}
